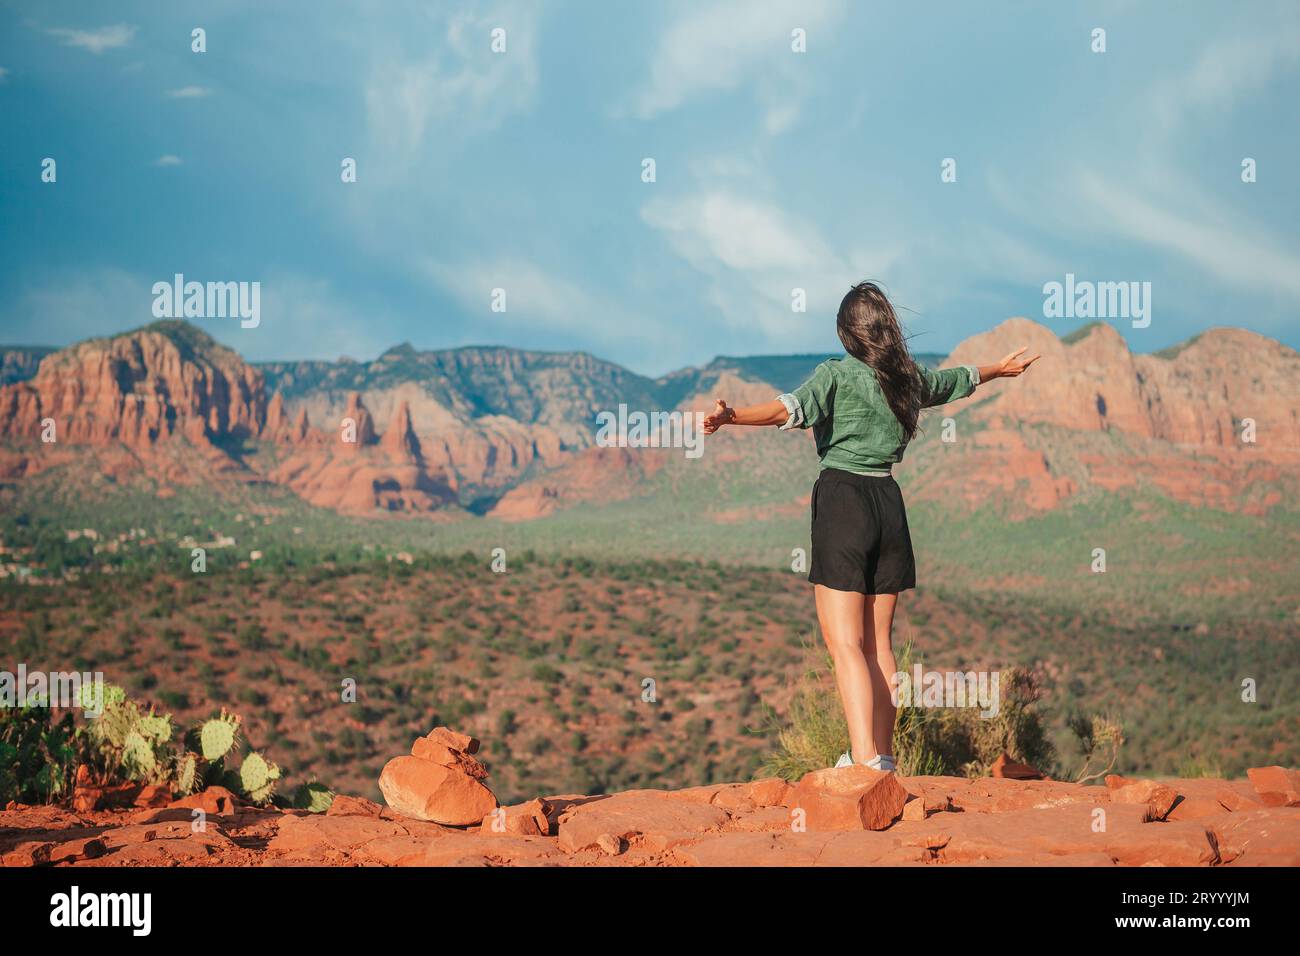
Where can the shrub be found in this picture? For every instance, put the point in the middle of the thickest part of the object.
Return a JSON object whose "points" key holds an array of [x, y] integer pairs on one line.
{"points": [[38, 755], [927, 741], [128, 743]]}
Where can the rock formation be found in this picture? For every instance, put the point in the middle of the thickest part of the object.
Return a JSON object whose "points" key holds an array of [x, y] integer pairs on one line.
{"points": [[349, 470], [439, 781], [441, 814], [357, 427], [1213, 423], [138, 389], [1196, 395], [399, 440]]}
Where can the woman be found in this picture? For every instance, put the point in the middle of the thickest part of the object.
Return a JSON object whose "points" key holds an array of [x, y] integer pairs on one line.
{"points": [[863, 411]]}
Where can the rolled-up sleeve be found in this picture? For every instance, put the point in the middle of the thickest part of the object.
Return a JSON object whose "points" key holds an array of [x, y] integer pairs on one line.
{"points": [[792, 409], [810, 403], [948, 385]]}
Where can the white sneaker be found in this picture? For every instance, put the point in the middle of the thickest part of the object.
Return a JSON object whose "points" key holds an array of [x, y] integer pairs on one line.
{"points": [[846, 760], [883, 762]]}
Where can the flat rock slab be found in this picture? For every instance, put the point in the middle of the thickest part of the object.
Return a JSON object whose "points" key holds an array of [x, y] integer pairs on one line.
{"points": [[982, 822], [395, 851], [1263, 837], [634, 814], [988, 795], [302, 835], [762, 820], [825, 848], [1118, 831], [469, 849]]}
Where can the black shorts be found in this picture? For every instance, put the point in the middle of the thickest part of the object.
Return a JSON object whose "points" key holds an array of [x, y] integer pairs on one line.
{"points": [[860, 540]]}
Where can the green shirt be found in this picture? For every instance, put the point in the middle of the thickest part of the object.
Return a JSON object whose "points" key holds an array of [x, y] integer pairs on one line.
{"points": [[853, 425]]}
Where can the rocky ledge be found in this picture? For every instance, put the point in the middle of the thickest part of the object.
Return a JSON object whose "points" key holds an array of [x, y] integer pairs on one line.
{"points": [[443, 814]]}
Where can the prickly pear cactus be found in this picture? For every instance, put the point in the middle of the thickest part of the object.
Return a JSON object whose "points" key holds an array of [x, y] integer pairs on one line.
{"points": [[118, 719], [113, 696], [257, 777], [155, 728], [313, 797], [138, 759], [218, 736], [185, 775]]}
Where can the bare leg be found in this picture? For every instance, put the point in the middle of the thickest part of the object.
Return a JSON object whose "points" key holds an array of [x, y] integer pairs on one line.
{"points": [[841, 615], [878, 625]]}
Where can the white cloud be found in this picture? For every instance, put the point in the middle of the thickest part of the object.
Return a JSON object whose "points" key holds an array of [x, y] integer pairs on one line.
{"points": [[1150, 200], [456, 84], [168, 159], [723, 46], [735, 231], [79, 305], [1213, 240], [532, 293], [96, 41], [754, 254], [991, 251], [305, 317], [1227, 70], [189, 92]]}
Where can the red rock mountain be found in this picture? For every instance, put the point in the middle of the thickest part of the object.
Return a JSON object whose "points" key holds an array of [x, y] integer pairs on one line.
{"points": [[1198, 394], [138, 389], [349, 469], [520, 426], [1213, 422]]}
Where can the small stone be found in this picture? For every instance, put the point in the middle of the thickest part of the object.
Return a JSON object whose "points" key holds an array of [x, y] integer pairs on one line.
{"points": [[610, 844], [1158, 797]]}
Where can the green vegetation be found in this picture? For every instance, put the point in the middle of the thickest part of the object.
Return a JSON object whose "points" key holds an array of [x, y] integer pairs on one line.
{"points": [[38, 755], [546, 662], [939, 741], [1079, 334], [1174, 350], [128, 743], [1167, 560]]}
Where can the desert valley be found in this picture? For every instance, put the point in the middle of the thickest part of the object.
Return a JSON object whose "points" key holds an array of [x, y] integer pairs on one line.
{"points": [[443, 530]]}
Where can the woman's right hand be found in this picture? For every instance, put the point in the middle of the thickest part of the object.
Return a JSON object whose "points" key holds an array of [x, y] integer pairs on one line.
{"points": [[721, 415]]}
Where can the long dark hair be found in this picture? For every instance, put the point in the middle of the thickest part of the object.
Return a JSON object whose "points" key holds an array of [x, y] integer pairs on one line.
{"points": [[869, 329]]}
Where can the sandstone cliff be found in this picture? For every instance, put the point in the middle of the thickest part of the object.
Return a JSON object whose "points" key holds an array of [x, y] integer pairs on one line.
{"points": [[138, 389], [1215, 422]]}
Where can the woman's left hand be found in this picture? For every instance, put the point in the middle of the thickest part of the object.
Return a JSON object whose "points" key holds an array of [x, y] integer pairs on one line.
{"points": [[1013, 364]]}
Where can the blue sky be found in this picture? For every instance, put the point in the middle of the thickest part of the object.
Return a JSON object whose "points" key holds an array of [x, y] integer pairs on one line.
{"points": [[522, 170]]}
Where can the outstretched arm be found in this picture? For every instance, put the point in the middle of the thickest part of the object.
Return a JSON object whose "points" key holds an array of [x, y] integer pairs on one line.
{"points": [[769, 413], [806, 406], [951, 384], [1009, 367]]}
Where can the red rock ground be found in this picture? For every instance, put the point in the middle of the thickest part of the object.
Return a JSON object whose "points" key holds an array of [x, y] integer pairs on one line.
{"points": [[946, 821]]}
